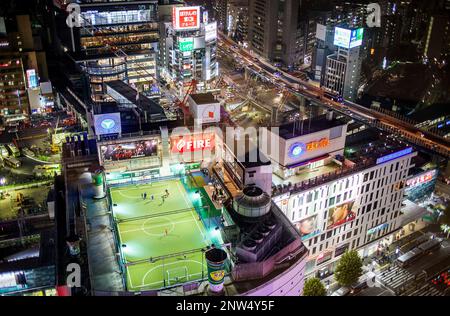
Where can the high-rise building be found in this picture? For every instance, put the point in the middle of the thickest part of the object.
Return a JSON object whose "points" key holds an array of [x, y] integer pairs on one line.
{"points": [[342, 74], [237, 25], [23, 66], [220, 8], [324, 47], [13, 93], [277, 30], [190, 49], [437, 43], [116, 40]]}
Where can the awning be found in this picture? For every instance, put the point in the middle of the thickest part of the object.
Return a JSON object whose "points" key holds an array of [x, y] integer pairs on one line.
{"points": [[411, 212], [306, 162]]}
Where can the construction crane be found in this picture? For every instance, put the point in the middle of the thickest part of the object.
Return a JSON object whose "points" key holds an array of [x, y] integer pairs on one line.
{"points": [[192, 88], [284, 98], [55, 147]]}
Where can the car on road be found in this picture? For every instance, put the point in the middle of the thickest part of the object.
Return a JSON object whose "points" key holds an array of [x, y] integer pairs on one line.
{"points": [[28, 152], [360, 285], [342, 291], [45, 124]]}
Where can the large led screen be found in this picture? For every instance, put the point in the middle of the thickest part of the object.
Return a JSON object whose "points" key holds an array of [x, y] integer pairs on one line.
{"points": [[124, 151]]}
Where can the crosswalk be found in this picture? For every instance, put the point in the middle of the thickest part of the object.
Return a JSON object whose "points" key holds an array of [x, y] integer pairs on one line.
{"points": [[395, 277], [403, 283], [426, 290]]}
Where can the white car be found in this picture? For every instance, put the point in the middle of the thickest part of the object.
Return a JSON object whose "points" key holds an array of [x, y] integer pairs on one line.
{"points": [[343, 291]]}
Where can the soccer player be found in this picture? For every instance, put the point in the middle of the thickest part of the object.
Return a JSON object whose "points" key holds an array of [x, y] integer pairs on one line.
{"points": [[167, 193], [166, 231]]}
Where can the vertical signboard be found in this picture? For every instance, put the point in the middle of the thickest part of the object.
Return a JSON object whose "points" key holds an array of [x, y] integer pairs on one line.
{"points": [[186, 18]]}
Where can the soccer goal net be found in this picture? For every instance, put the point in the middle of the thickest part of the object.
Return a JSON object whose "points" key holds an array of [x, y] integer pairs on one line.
{"points": [[177, 275]]}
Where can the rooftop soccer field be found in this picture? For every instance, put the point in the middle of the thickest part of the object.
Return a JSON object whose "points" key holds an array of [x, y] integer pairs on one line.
{"points": [[159, 235]]}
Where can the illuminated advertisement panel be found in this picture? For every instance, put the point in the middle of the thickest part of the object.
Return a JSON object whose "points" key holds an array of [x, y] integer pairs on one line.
{"points": [[348, 38], [32, 78], [107, 124], [356, 37], [421, 179], [210, 31], [342, 37], [324, 257], [125, 151], [186, 18], [421, 186], [395, 155], [341, 214], [200, 142], [186, 44], [307, 227], [298, 149]]}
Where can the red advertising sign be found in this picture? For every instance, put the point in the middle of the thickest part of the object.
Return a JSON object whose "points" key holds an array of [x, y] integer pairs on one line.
{"points": [[199, 142], [324, 142], [186, 18], [425, 177]]}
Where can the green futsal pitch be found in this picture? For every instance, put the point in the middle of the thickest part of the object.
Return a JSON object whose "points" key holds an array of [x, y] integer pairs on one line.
{"points": [[161, 239]]}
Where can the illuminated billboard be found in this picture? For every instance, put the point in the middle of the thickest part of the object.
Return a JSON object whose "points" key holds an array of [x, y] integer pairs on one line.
{"points": [[421, 185], [186, 44], [107, 124], [341, 214], [186, 18], [421, 179], [201, 142], [307, 227], [348, 38], [356, 37], [395, 155], [32, 78], [298, 149], [210, 31], [125, 151]]}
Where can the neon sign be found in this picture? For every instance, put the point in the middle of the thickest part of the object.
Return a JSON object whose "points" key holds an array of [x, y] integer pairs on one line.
{"points": [[191, 144], [426, 177], [324, 142], [395, 155], [296, 150]]}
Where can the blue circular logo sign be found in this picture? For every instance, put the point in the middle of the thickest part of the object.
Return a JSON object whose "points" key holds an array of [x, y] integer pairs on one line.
{"points": [[296, 150], [108, 123]]}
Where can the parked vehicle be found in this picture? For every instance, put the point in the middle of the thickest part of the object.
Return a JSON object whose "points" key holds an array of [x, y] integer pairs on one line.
{"points": [[343, 291], [13, 150], [3, 151], [12, 162]]}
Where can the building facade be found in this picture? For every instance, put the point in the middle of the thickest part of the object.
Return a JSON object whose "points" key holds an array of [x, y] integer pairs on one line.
{"points": [[190, 51], [116, 41]]}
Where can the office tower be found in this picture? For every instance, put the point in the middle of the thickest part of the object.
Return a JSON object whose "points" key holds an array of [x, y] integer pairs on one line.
{"points": [[190, 47], [116, 40], [220, 8], [342, 74]]}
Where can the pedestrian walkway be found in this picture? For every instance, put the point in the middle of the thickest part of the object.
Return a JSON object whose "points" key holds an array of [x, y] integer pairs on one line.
{"points": [[426, 290], [396, 278]]}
